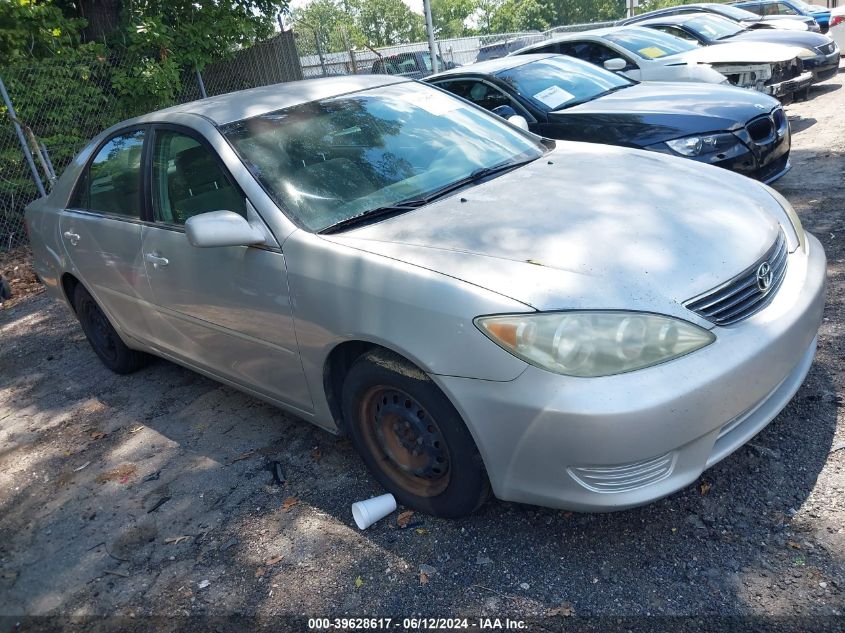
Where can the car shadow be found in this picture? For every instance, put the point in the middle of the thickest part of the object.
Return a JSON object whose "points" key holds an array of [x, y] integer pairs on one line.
{"points": [[798, 124]]}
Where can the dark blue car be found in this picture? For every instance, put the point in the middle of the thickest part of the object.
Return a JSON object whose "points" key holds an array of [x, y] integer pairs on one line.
{"points": [[788, 7]]}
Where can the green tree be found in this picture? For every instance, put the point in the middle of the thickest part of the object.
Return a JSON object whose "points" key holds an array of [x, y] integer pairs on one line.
{"points": [[485, 11], [30, 29], [327, 24], [449, 17], [519, 15], [562, 12], [387, 22]]}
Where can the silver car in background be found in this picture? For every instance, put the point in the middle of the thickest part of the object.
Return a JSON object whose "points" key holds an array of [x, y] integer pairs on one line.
{"points": [[474, 306]]}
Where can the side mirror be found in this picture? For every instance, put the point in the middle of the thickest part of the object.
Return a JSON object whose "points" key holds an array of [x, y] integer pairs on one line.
{"points": [[616, 64], [221, 228], [504, 111], [518, 121]]}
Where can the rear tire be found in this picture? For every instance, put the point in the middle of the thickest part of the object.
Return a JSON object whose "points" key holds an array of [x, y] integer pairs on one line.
{"points": [[104, 339], [411, 437]]}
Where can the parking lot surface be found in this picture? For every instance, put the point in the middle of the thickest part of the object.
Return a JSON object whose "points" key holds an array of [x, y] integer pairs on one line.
{"points": [[151, 494]]}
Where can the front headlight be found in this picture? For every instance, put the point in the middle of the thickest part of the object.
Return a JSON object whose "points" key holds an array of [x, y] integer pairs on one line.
{"points": [[806, 53], [593, 343], [698, 145]]}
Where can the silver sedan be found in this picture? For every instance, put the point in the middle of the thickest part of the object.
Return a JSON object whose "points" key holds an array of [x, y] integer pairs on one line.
{"points": [[571, 325]]}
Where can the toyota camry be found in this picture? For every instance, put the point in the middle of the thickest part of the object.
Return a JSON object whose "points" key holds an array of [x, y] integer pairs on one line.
{"points": [[478, 308]]}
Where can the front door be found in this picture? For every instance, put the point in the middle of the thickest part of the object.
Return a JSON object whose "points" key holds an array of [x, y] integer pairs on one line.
{"points": [[226, 310]]}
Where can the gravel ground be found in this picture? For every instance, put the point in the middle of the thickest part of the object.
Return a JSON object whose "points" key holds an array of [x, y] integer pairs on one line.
{"points": [[150, 494]]}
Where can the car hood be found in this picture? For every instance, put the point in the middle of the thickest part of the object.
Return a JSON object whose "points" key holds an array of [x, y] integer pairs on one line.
{"points": [[801, 39], [588, 226], [685, 107], [739, 52]]}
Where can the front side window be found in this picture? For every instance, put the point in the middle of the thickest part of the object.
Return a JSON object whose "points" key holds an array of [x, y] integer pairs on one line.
{"points": [[331, 160], [676, 32], [188, 180], [560, 82], [478, 92], [650, 44], [785, 9], [112, 182], [592, 52]]}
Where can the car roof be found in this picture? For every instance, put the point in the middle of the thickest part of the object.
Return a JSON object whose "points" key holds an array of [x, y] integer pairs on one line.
{"points": [[673, 19], [492, 66], [599, 33], [243, 104]]}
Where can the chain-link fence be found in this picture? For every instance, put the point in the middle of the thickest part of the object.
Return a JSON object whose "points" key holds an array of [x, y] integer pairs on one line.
{"points": [[59, 104], [414, 60]]}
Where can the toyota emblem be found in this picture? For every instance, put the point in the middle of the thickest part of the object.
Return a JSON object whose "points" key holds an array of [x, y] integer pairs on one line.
{"points": [[764, 277]]}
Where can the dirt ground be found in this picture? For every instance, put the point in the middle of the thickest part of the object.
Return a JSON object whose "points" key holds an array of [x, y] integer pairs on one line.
{"points": [[151, 494]]}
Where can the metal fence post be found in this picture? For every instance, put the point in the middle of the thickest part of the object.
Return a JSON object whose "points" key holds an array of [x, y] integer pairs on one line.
{"points": [[24, 146], [201, 84], [430, 28]]}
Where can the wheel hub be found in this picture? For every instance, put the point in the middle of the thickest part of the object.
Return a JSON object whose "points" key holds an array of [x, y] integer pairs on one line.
{"points": [[408, 437]]}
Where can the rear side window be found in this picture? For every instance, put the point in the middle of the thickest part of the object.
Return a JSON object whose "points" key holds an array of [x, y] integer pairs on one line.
{"points": [[111, 183], [188, 180]]}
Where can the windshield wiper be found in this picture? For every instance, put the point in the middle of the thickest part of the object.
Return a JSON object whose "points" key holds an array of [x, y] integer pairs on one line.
{"points": [[404, 206], [603, 93]]}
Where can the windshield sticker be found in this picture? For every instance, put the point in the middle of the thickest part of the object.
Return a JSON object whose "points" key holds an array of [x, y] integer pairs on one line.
{"points": [[554, 97], [652, 52]]}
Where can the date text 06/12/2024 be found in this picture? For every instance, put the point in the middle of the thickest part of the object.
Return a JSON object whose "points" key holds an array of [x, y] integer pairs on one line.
{"points": [[416, 623]]}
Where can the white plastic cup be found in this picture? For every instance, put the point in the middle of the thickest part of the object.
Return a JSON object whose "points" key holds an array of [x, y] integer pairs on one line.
{"points": [[369, 511]]}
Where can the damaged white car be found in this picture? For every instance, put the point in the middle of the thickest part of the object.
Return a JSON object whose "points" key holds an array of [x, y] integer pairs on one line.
{"points": [[648, 55]]}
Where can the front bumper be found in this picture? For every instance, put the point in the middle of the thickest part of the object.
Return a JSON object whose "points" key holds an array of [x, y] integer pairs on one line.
{"points": [[823, 67], [601, 444], [790, 86]]}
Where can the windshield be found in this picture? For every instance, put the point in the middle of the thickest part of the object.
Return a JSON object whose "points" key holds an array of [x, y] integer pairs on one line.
{"points": [[559, 82], [714, 27], [650, 44], [802, 5], [331, 160]]}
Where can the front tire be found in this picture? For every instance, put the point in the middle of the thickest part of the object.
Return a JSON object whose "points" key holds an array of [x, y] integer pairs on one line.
{"points": [[104, 339], [411, 437]]}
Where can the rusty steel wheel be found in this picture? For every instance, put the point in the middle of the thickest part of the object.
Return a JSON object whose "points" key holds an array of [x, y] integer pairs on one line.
{"points": [[406, 439], [411, 437]]}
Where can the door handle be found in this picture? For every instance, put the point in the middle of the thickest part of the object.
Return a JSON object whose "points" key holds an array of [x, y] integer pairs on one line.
{"points": [[156, 260], [72, 237]]}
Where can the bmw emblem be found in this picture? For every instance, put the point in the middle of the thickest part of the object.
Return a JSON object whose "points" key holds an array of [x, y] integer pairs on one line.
{"points": [[765, 275], [761, 106]]}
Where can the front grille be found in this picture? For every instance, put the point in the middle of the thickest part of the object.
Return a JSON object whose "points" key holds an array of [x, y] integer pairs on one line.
{"points": [[779, 119], [744, 295], [827, 49], [625, 477], [760, 129], [765, 128]]}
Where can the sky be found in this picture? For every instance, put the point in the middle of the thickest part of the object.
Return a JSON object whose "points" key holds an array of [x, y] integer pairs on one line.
{"points": [[415, 5]]}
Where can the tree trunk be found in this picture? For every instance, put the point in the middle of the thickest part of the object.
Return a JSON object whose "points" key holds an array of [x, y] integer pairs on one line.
{"points": [[103, 18]]}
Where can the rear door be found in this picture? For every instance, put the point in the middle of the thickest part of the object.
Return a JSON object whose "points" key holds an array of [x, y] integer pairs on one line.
{"points": [[101, 232], [226, 310]]}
